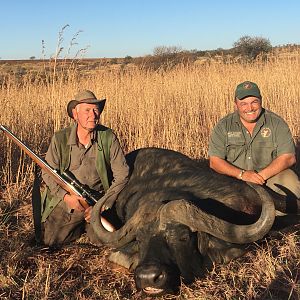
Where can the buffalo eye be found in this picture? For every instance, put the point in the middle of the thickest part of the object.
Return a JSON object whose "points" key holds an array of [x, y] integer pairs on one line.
{"points": [[184, 238]]}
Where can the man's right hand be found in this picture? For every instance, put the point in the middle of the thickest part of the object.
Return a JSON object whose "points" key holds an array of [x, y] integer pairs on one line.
{"points": [[76, 202]]}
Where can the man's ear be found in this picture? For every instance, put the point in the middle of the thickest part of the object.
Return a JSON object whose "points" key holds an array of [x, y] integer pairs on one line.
{"points": [[75, 115], [235, 106]]}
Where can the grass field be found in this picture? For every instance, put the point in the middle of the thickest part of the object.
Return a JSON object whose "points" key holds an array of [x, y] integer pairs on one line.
{"points": [[174, 109]]}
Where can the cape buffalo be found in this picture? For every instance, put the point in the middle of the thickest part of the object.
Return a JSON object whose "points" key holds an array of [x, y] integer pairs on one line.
{"points": [[179, 217]]}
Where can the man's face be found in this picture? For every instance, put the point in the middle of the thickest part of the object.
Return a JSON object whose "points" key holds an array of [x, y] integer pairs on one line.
{"points": [[249, 109], [87, 115]]}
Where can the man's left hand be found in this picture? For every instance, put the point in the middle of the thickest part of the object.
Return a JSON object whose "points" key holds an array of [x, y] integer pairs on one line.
{"points": [[252, 176]]}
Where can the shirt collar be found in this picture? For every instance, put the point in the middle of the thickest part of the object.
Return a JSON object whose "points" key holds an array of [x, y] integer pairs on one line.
{"points": [[73, 135], [236, 117], [73, 140], [94, 136], [262, 118]]}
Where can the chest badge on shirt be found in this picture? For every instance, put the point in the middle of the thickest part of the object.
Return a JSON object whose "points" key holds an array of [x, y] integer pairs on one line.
{"points": [[234, 134], [265, 132]]}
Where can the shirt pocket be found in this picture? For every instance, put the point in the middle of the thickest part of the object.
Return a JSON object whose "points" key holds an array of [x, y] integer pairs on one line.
{"points": [[264, 152], [234, 149]]}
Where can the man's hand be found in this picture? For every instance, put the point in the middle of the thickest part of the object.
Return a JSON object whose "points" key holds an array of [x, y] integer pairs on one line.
{"points": [[75, 202], [252, 176], [87, 214]]}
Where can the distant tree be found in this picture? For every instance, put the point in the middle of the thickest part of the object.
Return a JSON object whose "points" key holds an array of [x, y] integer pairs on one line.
{"points": [[114, 61], [166, 50], [251, 47], [127, 59], [166, 58], [32, 57]]}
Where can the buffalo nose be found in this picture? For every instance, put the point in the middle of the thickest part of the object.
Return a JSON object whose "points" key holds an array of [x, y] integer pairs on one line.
{"points": [[150, 275]]}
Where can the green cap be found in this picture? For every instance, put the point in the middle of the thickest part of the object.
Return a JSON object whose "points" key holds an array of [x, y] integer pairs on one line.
{"points": [[246, 89]]}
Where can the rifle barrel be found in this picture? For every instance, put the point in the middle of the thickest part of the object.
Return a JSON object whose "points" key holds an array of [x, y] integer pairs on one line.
{"points": [[42, 163], [27, 150]]}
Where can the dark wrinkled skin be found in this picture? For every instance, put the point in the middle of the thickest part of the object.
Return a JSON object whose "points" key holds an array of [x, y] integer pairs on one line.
{"points": [[161, 254], [166, 256], [161, 258]]}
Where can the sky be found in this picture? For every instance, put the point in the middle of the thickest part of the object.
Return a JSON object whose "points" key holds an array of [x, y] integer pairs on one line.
{"points": [[116, 28]]}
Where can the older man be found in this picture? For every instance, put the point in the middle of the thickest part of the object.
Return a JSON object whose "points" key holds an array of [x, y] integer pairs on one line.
{"points": [[254, 144], [92, 154]]}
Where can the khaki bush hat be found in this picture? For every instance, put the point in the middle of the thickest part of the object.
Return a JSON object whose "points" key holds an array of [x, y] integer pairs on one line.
{"points": [[246, 89], [85, 96]]}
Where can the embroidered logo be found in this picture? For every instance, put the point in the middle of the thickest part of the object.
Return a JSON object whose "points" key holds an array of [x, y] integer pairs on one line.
{"points": [[265, 132], [234, 134], [247, 85]]}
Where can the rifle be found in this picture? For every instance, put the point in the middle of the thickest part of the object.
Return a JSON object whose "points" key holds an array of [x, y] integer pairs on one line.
{"points": [[65, 180]]}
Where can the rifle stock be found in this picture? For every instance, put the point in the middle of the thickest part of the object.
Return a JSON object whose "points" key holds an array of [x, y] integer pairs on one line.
{"points": [[65, 180]]}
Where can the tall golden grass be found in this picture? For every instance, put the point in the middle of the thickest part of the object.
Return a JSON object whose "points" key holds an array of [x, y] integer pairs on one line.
{"points": [[174, 109]]}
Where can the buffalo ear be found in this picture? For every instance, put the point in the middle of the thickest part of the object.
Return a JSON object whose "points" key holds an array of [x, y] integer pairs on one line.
{"points": [[126, 256], [203, 241], [124, 259]]}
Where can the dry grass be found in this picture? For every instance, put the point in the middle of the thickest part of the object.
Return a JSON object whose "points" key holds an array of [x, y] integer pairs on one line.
{"points": [[174, 109]]}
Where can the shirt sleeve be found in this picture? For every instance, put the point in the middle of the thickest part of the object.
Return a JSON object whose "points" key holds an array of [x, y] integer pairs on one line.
{"points": [[52, 158], [284, 139], [120, 171], [217, 142]]}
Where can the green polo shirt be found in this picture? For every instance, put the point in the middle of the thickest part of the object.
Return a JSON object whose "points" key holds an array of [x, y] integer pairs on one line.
{"points": [[231, 141]]}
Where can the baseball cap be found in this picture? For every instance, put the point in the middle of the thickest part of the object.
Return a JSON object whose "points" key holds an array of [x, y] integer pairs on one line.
{"points": [[246, 89]]}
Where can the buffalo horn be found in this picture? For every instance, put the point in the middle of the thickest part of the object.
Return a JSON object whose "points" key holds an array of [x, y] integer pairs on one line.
{"points": [[182, 211], [127, 232]]}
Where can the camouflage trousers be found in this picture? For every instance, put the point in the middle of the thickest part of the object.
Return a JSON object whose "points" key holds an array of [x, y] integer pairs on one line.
{"points": [[63, 226]]}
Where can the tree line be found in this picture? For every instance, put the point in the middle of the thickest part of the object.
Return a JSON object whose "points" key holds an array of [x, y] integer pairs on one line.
{"points": [[245, 49]]}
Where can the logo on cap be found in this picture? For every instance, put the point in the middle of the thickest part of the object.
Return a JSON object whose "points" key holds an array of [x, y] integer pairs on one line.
{"points": [[247, 85]]}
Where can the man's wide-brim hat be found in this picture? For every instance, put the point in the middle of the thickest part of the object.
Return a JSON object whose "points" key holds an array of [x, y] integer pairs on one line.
{"points": [[85, 96]]}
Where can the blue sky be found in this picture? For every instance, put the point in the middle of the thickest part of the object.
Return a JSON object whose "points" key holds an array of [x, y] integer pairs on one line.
{"points": [[118, 28]]}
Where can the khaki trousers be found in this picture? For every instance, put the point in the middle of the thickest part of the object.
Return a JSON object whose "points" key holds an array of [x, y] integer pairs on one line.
{"points": [[63, 226], [285, 183]]}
